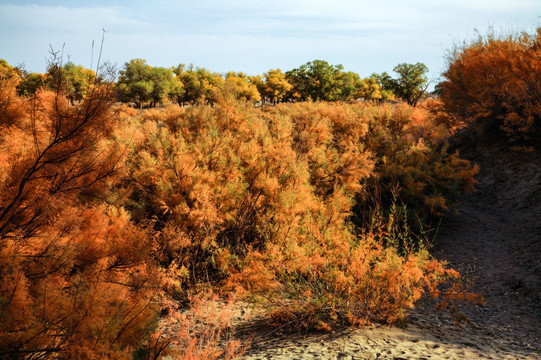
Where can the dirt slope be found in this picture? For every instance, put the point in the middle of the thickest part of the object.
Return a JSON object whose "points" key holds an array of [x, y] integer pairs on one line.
{"points": [[495, 238]]}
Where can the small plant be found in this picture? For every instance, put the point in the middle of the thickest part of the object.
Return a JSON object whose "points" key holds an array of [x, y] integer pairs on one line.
{"points": [[321, 283], [200, 332]]}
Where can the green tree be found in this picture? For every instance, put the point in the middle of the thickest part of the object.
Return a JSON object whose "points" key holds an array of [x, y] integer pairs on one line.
{"points": [[134, 83], [276, 85], [352, 87], [73, 80], [316, 80], [386, 84], [30, 84], [144, 85], [198, 84], [164, 85], [411, 83], [348, 83]]}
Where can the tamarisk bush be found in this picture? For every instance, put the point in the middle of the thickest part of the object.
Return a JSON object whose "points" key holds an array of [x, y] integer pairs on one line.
{"points": [[265, 202], [76, 277], [497, 81]]}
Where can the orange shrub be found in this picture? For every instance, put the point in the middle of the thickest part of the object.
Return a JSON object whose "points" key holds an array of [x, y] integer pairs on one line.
{"points": [[327, 276], [412, 163], [264, 199], [76, 280], [497, 80], [201, 332], [219, 180]]}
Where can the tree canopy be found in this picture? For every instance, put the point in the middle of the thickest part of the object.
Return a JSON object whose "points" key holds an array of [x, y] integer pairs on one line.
{"points": [[316, 80], [411, 83], [145, 85], [74, 80], [273, 85], [196, 84]]}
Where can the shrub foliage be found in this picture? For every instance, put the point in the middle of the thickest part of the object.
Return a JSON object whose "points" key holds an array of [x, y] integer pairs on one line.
{"points": [[287, 203], [497, 80], [76, 277]]}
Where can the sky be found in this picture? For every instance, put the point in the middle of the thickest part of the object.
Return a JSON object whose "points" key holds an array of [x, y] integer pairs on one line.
{"points": [[252, 36]]}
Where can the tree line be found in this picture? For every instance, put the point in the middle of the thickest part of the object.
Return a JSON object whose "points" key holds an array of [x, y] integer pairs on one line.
{"points": [[146, 86]]}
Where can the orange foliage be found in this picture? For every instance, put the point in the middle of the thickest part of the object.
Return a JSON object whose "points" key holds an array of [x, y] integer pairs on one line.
{"points": [[221, 180], [76, 280], [103, 207], [202, 332], [264, 198], [410, 148], [315, 282], [497, 81]]}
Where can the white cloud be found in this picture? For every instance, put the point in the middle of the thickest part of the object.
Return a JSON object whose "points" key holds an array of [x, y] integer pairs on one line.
{"points": [[34, 28], [35, 18]]}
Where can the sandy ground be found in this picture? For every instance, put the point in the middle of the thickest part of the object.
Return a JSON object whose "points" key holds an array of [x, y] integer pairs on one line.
{"points": [[385, 342], [494, 238]]}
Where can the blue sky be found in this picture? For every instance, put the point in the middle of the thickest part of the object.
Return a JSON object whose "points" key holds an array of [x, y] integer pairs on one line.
{"points": [[254, 36]]}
